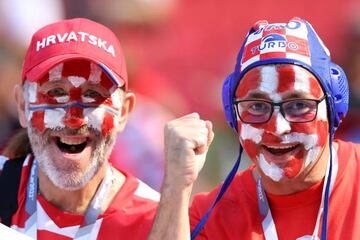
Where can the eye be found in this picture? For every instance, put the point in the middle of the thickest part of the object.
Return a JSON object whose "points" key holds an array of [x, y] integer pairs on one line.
{"points": [[258, 108], [56, 92], [254, 107], [92, 93], [299, 107]]}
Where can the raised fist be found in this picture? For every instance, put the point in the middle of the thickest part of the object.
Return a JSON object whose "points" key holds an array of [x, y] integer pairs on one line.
{"points": [[187, 140]]}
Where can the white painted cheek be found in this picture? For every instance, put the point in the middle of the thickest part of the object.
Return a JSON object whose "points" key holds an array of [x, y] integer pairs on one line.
{"points": [[95, 74], [251, 133], [95, 117], [87, 99], [310, 142], [321, 114], [116, 121], [270, 82], [270, 170], [116, 99], [32, 92], [302, 83], [282, 126], [28, 114], [312, 155], [62, 99], [76, 81], [53, 118], [56, 72]]}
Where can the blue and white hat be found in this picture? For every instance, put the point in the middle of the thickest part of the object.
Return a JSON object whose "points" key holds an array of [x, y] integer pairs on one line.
{"points": [[295, 42]]}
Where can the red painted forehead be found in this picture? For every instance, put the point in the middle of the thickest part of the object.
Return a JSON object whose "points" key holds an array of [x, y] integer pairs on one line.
{"points": [[280, 79], [79, 68]]}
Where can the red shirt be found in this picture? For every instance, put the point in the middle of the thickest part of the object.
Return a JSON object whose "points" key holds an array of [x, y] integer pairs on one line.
{"points": [[236, 216], [129, 216]]}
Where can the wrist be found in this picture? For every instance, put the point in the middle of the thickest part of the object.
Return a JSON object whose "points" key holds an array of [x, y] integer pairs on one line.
{"points": [[177, 186]]}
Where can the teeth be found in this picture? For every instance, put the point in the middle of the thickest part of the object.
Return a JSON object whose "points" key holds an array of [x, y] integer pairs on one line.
{"points": [[280, 147], [73, 140]]}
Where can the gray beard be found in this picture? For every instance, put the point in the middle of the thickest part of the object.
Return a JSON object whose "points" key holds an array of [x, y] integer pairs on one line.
{"points": [[74, 179]]}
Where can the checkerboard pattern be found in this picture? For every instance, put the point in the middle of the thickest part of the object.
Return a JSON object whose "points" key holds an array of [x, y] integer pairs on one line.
{"points": [[279, 40]]}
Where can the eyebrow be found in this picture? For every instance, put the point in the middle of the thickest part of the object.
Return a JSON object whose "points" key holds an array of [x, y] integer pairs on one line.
{"points": [[256, 94], [297, 95], [262, 95]]}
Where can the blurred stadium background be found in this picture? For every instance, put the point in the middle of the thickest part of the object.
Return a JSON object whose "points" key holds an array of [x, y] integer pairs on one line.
{"points": [[178, 54]]}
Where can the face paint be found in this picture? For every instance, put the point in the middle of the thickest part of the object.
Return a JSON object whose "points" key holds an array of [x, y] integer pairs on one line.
{"points": [[74, 94], [270, 82], [282, 125], [280, 148], [270, 169]]}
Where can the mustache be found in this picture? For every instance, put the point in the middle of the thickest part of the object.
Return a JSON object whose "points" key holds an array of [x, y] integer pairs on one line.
{"points": [[83, 130]]}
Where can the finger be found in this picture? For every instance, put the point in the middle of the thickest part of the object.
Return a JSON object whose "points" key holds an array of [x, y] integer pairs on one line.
{"points": [[191, 120], [200, 150], [193, 115], [211, 133], [202, 143]]}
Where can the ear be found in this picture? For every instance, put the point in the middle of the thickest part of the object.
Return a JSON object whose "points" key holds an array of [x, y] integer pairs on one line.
{"points": [[20, 102], [127, 107]]}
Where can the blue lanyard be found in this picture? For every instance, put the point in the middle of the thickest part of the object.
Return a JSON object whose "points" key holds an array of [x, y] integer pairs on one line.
{"points": [[92, 212], [223, 189], [268, 224]]}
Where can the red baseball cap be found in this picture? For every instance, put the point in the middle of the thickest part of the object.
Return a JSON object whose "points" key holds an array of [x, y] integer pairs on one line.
{"points": [[72, 39]]}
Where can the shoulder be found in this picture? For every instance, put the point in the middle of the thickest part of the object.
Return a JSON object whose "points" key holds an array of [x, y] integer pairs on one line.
{"points": [[238, 202], [139, 189], [135, 195], [133, 209], [242, 190], [348, 150], [146, 192], [348, 154]]}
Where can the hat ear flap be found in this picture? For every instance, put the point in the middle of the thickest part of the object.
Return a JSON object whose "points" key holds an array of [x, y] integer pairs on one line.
{"points": [[227, 99], [340, 92]]}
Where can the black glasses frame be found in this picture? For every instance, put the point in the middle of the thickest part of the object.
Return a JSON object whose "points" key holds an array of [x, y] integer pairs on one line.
{"points": [[279, 104]]}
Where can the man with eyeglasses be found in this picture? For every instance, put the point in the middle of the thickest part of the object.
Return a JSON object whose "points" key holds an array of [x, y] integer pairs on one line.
{"points": [[285, 100]]}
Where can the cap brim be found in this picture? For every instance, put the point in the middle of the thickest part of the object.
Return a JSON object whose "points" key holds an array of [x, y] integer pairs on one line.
{"points": [[41, 69]]}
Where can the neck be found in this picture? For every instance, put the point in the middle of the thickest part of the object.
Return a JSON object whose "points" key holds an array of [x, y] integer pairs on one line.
{"points": [[71, 201], [311, 175]]}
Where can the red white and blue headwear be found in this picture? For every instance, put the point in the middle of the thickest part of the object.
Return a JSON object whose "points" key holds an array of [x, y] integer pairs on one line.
{"points": [[295, 42]]}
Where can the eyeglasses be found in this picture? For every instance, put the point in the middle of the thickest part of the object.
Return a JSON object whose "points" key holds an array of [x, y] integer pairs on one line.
{"points": [[294, 110]]}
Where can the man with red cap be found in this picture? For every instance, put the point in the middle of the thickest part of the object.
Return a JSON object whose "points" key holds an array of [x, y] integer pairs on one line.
{"points": [[284, 100], [73, 100]]}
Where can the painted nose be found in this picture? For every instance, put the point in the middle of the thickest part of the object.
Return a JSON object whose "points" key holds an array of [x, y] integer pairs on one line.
{"points": [[74, 117], [278, 123]]}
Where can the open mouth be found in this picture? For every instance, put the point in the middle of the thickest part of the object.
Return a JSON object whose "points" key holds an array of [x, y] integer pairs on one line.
{"points": [[71, 146], [280, 150]]}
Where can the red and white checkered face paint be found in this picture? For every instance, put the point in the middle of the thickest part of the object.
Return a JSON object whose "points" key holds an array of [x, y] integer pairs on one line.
{"points": [[74, 94], [280, 148]]}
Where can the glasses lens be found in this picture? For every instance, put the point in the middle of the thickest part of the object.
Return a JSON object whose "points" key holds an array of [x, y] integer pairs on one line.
{"points": [[300, 110], [254, 111]]}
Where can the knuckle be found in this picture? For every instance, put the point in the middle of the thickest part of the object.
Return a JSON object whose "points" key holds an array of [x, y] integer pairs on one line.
{"points": [[195, 115], [170, 126]]}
